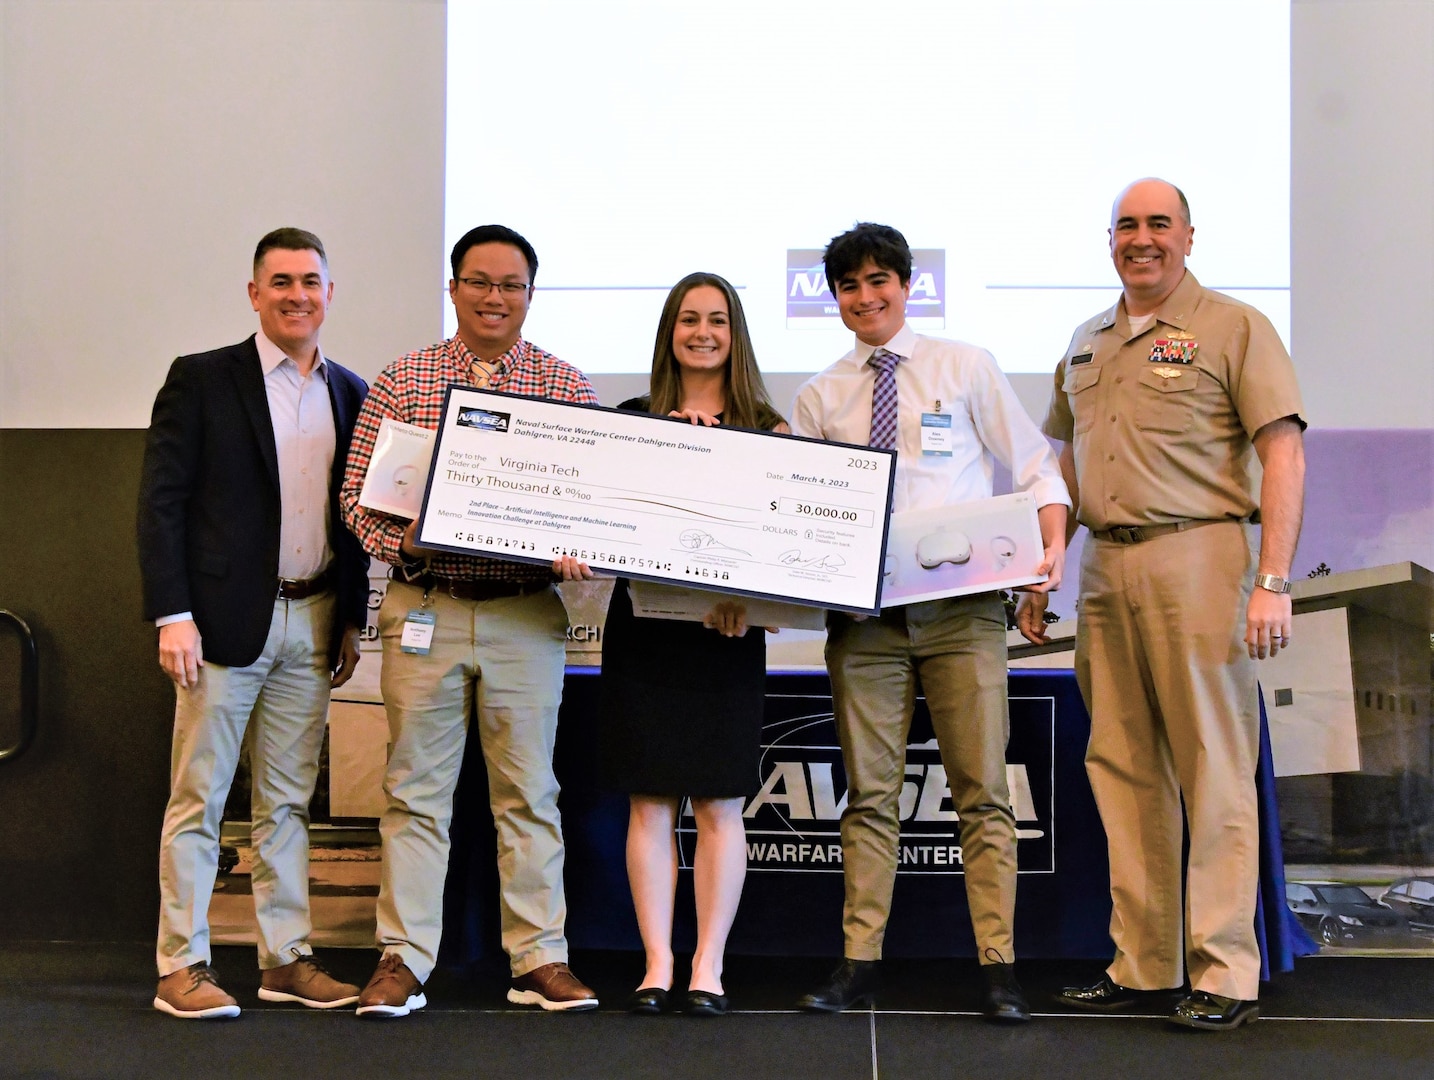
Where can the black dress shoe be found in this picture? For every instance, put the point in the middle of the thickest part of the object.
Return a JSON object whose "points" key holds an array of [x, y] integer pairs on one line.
{"points": [[1212, 1012], [1107, 996], [649, 1001], [853, 981], [703, 1003], [1005, 1004]]}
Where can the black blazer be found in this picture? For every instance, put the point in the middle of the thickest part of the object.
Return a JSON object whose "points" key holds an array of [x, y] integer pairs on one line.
{"points": [[209, 503]]}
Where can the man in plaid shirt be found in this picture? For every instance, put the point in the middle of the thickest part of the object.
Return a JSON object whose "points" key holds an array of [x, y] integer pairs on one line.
{"points": [[499, 639]]}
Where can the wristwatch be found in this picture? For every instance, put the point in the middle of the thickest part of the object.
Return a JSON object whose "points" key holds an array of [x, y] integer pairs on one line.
{"points": [[410, 569], [1273, 582]]}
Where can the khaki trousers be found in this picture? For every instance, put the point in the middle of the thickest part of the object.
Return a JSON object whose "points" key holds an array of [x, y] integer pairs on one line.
{"points": [[280, 703], [501, 660], [1163, 667], [957, 648]]}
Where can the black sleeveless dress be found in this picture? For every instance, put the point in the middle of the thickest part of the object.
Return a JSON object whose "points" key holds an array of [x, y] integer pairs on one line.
{"points": [[681, 705]]}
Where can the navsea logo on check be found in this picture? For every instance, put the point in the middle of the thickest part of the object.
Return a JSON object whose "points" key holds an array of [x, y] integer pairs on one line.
{"points": [[808, 297], [482, 419]]}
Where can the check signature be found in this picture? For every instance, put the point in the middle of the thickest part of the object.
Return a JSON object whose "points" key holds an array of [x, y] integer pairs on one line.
{"points": [[820, 562], [698, 540]]}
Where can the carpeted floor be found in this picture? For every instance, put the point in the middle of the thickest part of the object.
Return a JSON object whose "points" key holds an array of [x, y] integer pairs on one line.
{"points": [[84, 1011]]}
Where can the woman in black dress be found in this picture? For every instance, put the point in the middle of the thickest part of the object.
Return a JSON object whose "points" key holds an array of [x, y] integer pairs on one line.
{"points": [[682, 702]]}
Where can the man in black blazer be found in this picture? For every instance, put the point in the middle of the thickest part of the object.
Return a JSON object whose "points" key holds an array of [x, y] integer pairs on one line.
{"points": [[259, 593]]}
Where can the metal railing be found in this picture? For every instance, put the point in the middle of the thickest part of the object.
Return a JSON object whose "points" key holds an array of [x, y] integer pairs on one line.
{"points": [[29, 686]]}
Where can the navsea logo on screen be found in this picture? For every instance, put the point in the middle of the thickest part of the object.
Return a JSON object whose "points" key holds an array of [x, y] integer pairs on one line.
{"points": [[810, 302], [482, 419]]}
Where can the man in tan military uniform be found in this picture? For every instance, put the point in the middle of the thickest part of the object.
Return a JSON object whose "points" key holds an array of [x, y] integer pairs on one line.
{"points": [[1163, 403]]}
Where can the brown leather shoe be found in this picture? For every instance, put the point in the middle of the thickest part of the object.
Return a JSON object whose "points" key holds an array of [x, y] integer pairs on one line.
{"points": [[394, 990], [306, 982], [553, 987], [192, 993]]}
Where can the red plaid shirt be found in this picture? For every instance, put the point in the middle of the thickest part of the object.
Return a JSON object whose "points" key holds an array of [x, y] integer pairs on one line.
{"points": [[411, 389]]}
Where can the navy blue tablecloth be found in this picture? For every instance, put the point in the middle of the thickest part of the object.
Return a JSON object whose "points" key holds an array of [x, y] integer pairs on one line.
{"points": [[791, 903]]}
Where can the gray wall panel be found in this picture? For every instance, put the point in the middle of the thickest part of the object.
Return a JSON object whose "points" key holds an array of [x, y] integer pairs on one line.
{"points": [[82, 807]]}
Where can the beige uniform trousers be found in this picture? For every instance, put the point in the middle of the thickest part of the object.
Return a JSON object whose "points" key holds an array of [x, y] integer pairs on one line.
{"points": [[1163, 667], [501, 661], [957, 648], [280, 702]]}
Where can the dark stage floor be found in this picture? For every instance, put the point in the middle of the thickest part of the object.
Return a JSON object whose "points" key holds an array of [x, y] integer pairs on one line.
{"points": [[84, 1011]]}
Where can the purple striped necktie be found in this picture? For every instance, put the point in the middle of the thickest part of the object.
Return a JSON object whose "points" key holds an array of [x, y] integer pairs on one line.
{"points": [[883, 400]]}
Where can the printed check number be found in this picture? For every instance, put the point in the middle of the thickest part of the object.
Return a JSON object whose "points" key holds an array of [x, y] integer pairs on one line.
{"points": [[648, 497]]}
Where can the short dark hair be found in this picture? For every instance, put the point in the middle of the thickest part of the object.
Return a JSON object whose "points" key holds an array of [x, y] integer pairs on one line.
{"points": [[495, 234], [289, 239], [1184, 203], [882, 244]]}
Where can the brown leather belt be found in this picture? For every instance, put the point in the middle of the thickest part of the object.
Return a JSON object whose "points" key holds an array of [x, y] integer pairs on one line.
{"points": [[302, 589], [1138, 534], [475, 589]]}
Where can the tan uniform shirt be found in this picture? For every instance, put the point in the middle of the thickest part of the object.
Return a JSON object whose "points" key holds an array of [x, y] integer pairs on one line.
{"points": [[1162, 422]]}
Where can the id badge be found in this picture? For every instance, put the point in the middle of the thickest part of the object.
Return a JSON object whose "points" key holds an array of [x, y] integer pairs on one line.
{"points": [[418, 632], [935, 434]]}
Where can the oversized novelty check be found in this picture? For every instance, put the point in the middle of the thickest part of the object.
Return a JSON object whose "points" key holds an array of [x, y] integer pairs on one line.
{"points": [[647, 497]]}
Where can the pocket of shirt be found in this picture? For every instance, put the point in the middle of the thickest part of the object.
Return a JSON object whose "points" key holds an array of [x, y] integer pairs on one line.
{"points": [[1077, 386], [1166, 405]]}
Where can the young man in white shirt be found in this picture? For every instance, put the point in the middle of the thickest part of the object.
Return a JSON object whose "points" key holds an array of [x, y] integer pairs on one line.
{"points": [[956, 646]]}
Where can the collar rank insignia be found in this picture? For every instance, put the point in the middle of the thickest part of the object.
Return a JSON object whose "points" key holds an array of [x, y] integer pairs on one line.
{"points": [[1173, 351]]}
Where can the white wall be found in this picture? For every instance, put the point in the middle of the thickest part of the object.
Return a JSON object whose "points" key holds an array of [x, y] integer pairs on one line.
{"points": [[145, 145], [1362, 207]]}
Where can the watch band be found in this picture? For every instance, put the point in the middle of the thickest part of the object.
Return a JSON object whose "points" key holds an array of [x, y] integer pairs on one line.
{"points": [[410, 569], [1273, 582]]}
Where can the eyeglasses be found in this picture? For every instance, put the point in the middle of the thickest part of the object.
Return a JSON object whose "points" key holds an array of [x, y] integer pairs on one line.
{"points": [[483, 286]]}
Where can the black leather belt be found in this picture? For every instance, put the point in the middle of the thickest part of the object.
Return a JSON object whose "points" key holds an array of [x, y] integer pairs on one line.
{"points": [[1138, 534], [302, 589], [474, 589]]}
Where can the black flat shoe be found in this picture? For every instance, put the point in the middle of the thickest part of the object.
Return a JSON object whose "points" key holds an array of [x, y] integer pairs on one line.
{"points": [[1108, 996], [852, 982], [702, 1003], [1212, 1012], [649, 1001]]}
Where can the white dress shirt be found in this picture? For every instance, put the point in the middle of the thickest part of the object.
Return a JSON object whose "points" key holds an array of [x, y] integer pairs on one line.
{"points": [[303, 419], [988, 423]]}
